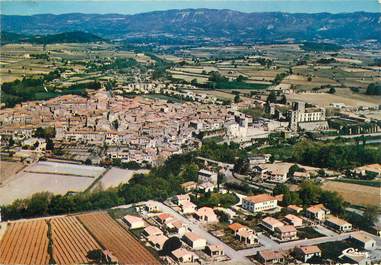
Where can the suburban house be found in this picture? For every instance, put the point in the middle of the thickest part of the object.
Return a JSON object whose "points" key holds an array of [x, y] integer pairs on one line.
{"points": [[214, 250], [183, 255], [270, 257], [271, 223], [247, 236], [207, 176], [151, 207], [307, 252], [134, 222], [363, 241], [301, 176], [181, 199], [206, 214], [286, 232], [152, 231], [194, 241], [294, 209], [164, 218], [338, 224], [157, 241], [293, 220], [188, 208], [176, 226], [276, 172], [259, 203], [189, 186], [318, 212], [235, 227]]}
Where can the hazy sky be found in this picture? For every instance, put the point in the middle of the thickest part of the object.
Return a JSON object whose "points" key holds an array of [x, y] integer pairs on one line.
{"points": [[18, 7]]}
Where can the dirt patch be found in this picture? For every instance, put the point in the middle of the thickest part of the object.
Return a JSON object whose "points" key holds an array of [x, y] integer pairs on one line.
{"points": [[355, 194], [9, 169]]}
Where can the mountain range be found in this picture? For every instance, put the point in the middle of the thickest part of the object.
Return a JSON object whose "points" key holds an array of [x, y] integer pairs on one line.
{"points": [[191, 25]]}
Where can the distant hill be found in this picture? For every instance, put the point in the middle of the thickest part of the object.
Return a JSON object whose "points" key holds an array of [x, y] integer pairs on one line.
{"points": [[66, 37], [194, 25]]}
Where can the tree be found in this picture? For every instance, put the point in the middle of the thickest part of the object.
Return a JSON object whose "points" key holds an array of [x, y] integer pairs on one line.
{"points": [[117, 162], [374, 89], [241, 78], [309, 193], [294, 168], [332, 90], [220, 180], [48, 132], [115, 124], [170, 245], [371, 214], [11, 142], [271, 97], [333, 201], [49, 144], [237, 98], [88, 161], [280, 189], [222, 217], [242, 166], [39, 204]]}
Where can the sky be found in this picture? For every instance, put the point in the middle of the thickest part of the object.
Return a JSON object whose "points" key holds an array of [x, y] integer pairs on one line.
{"points": [[30, 7]]}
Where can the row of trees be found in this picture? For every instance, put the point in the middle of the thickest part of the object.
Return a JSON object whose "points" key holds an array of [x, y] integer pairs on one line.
{"points": [[309, 194], [374, 89]]}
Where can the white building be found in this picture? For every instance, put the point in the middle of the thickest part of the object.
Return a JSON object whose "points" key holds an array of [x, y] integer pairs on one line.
{"points": [[301, 117], [259, 203], [134, 222]]}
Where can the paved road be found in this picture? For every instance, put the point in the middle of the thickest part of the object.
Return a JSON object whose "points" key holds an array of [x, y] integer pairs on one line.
{"points": [[325, 231], [292, 244]]}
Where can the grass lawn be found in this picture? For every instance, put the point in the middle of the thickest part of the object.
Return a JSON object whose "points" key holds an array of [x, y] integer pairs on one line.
{"points": [[332, 250], [308, 232], [121, 212]]}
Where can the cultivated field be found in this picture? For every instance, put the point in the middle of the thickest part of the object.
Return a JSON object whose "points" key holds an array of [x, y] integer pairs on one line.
{"points": [[25, 243], [116, 239], [355, 194], [116, 176], [325, 99], [71, 241]]}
